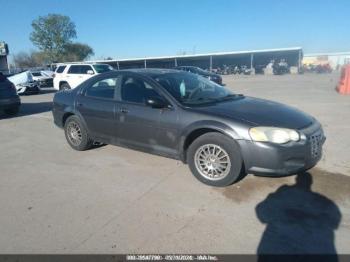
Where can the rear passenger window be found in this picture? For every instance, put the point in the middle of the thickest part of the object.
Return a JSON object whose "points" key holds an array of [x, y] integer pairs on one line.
{"points": [[103, 89], [60, 69], [74, 69]]}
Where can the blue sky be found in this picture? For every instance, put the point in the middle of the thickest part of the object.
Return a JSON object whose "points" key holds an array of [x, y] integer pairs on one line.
{"points": [[140, 28]]}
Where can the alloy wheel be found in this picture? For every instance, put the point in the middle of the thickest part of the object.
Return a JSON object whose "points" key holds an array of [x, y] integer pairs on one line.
{"points": [[212, 162], [74, 133]]}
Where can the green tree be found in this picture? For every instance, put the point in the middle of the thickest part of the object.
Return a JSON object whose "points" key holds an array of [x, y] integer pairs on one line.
{"points": [[52, 33], [76, 52]]}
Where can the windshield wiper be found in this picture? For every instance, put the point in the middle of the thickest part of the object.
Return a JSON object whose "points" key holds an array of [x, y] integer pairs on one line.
{"points": [[200, 100], [205, 100], [228, 97]]}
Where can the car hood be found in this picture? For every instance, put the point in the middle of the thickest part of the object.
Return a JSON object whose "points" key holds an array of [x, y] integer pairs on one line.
{"points": [[259, 112]]}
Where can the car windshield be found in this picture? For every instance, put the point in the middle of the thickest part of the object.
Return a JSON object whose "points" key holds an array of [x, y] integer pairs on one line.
{"points": [[191, 89], [102, 68], [36, 74]]}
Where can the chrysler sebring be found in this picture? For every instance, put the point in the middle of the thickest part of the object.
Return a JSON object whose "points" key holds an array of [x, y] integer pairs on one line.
{"points": [[220, 134]]}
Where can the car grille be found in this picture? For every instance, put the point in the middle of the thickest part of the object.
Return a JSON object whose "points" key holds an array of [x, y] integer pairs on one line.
{"points": [[316, 144]]}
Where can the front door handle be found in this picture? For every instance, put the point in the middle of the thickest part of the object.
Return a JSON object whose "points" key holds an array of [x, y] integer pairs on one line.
{"points": [[123, 110]]}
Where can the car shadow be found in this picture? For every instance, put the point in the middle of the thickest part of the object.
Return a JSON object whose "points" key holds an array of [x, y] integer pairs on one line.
{"points": [[43, 91], [47, 90], [29, 109], [298, 221]]}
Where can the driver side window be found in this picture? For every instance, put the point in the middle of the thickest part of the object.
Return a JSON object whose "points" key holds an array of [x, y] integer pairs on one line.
{"points": [[136, 90]]}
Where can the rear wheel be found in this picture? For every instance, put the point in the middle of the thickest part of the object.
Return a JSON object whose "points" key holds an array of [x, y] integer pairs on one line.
{"points": [[12, 111], [215, 159], [76, 134]]}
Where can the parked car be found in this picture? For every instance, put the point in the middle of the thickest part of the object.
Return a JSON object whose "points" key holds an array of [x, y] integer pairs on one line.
{"points": [[25, 83], [281, 67], [245, 70], [199, 71], [69, 76], [43, 78], [9, 99], [221, 135]]}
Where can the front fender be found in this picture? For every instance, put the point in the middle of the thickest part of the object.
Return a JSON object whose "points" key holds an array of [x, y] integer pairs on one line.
{"points": [[205, 124]]}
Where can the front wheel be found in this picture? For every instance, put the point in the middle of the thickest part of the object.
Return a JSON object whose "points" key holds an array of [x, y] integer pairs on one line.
{"points": [[215, 159], [76, 134]]}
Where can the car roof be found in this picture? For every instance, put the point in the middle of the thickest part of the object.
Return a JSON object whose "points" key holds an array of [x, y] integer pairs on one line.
{"points": [[67, 64]]}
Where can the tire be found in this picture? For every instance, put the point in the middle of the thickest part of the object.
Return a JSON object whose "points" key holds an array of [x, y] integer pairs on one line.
{"points": [[228, 146], [78, 139], [65, 86], [12, 111], [38, 91]]}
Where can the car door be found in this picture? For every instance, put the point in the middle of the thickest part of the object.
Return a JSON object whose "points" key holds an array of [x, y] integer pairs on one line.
{"points": [[97, 104], [142, 126], [77, 74]]}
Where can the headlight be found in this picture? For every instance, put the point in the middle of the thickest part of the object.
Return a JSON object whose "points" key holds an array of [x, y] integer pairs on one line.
{"points": [[273, 134]]}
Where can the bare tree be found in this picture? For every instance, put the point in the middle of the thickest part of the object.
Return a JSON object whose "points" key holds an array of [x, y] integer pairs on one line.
{"points": [[30, 59]]}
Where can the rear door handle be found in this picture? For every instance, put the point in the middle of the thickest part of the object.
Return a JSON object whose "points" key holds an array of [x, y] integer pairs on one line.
{"points": [[123, 110]]}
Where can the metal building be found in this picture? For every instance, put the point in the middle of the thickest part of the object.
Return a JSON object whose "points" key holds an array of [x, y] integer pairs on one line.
{"points": [[252, 59]]}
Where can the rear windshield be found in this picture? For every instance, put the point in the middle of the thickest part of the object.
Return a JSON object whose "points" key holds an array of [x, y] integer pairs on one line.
{"points": [[60, 69], [102, 68]]}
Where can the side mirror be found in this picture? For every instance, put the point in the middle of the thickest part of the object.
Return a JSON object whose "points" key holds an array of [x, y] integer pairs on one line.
{"points": [[90, 72], [156, 102]]}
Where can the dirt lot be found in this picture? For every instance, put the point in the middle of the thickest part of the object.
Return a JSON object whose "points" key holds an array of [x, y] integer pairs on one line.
{"points": [[115, 200]]}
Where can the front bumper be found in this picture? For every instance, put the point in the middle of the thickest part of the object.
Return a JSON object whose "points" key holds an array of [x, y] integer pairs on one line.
{"points": [[270, 159], [9, 103], [28, 89], [45, 82]]}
